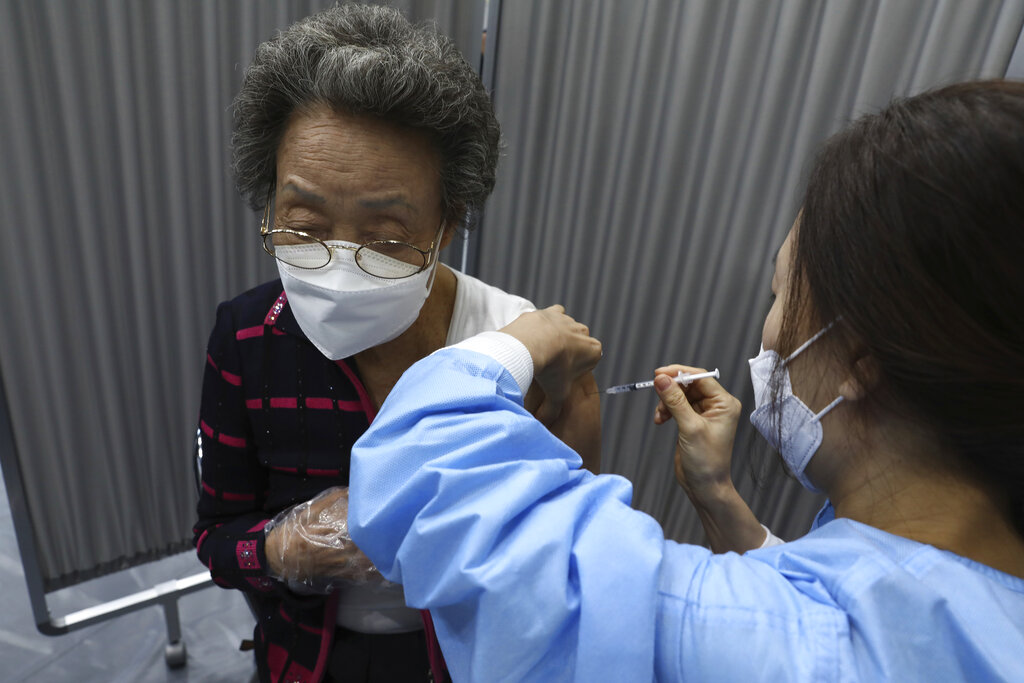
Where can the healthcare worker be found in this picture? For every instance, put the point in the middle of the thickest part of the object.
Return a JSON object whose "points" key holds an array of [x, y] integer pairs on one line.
{"points": [[891, 378]]}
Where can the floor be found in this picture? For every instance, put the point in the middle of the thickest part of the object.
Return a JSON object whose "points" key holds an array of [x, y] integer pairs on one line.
{"points": [[126, 649]]}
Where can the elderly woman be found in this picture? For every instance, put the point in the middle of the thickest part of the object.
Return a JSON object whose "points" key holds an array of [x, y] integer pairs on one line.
{"points": [[891, 377], [366, 142]]}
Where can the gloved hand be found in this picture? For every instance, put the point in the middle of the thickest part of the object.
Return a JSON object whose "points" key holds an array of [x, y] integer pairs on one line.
{"points": [[309, 545]]}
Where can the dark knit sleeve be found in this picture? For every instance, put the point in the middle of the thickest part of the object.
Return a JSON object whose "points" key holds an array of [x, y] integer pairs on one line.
{"points": [[228, 535]]}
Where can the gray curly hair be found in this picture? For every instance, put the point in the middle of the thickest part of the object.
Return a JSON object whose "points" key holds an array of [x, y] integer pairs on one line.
{"points": [[369, 59]]}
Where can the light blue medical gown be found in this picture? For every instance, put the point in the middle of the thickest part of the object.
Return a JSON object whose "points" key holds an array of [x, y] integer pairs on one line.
{"points": [[535, 570]]}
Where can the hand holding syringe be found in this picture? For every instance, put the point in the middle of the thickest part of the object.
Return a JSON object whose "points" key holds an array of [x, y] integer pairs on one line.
{"points": [[681, 379]]}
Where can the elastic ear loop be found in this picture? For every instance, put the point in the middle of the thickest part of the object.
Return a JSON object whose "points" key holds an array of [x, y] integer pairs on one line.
{"points": [[437, 258], [805, 457], [803, 347], [824, 411]]}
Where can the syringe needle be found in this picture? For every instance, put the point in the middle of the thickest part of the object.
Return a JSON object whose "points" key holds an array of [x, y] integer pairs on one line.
{"points": [[680, 379]]}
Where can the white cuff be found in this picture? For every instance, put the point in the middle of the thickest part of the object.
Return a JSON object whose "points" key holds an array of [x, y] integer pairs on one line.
{"points": [[505, 349], [771, 539]]}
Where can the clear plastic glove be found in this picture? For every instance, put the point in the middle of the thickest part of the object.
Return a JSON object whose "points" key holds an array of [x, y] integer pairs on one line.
{"points": [[308, 545]]}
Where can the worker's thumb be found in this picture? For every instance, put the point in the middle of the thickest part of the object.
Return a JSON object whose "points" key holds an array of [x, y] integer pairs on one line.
{"points": [[671, 394]]}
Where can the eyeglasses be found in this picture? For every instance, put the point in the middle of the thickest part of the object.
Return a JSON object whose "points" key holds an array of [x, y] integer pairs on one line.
{"points": [[388, 259]]}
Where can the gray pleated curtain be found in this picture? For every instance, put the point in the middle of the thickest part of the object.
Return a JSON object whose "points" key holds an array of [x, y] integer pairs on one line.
{"points": [[121, 231], [656, 154], [654, 158]]}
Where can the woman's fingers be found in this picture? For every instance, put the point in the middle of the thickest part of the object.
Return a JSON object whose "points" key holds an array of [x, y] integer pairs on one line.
{"points": [[693, 392], [698, 388], [675, 402], [705, 396]]}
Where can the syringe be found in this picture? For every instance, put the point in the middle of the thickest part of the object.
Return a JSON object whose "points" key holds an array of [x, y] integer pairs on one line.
{"points": [[678, 379]]}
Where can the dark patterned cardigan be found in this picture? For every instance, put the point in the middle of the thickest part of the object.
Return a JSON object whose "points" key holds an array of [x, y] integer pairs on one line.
{"points": [[278, 421]]}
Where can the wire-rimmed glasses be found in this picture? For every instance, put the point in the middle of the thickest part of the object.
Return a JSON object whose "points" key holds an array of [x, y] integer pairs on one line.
{"points": [[388, 259]]}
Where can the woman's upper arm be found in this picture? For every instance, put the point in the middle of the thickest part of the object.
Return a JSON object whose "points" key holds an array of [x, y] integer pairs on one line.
{"points": [[228, 530], [233, 478], [579, 425]]}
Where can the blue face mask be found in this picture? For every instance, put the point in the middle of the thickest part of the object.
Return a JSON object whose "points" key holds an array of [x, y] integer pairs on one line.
{"points": [[800, 433]]}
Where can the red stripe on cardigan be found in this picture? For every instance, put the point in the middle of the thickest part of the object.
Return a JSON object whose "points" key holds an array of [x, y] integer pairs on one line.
{"points": [[323, 473], [364, 398], [199, 543], [229, 377], [255, 331], [227, 495], [312, 402], [226, 439], [304, 627]]}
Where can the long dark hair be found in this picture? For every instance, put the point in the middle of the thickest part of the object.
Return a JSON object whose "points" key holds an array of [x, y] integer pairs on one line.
{"points": [[912, 235]]}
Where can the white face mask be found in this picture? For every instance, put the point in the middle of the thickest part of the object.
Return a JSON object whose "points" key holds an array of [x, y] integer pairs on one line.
{"points": [[801, 428], [344, 310]]}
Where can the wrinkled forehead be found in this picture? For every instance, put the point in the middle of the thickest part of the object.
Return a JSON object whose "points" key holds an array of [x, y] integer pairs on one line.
{"points": [[334, 161]]}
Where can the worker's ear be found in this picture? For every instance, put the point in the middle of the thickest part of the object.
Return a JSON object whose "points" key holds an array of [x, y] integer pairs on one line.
{"points": [[863, 378]]}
